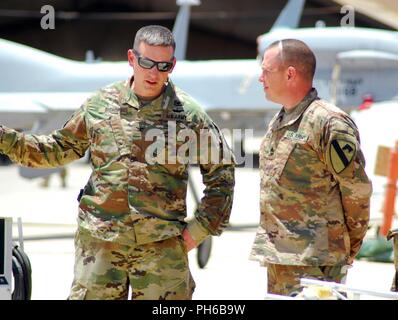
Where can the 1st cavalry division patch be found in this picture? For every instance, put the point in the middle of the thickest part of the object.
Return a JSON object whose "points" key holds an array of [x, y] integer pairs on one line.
{"points": [[341, 154]]}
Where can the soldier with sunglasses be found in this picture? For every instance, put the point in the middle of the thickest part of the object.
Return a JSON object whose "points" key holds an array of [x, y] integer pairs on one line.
{"points": [[132, 230]]}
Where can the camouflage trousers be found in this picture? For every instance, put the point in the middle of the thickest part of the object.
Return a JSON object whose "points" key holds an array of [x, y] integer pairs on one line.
{"points": [[285, 279], [106, 270]]}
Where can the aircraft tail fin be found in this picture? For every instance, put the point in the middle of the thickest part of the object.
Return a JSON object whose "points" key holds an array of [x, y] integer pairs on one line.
{"points": [[181, 26], [290, 15]]}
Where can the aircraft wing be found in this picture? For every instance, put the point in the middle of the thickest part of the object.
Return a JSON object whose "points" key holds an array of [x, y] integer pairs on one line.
{"points": [[223, 84], [18, 112], [24, 110], [39, 113]]}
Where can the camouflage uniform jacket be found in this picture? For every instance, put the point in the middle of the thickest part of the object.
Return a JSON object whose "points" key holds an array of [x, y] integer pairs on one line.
{"points": [[127, 199], [314, 196]]}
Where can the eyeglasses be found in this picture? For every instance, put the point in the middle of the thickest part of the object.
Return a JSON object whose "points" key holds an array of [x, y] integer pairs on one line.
{"points": [[146, 63]]}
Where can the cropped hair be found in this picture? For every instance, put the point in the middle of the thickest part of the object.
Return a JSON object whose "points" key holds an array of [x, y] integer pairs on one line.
{"points": [[154, 35], [296, 53]]}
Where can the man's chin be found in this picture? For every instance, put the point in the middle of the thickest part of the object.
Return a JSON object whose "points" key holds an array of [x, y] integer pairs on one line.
{"points": [[153, 90], [270, 99]]}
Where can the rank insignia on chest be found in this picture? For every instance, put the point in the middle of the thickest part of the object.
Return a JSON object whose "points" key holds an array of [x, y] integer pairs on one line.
{"points": [[341, 154], [177, 112], [177, 103]]}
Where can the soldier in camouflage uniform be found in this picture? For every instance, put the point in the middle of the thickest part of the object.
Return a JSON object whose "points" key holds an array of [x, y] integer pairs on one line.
{"points": [[315, 193], [393, 234], [131, 222]]}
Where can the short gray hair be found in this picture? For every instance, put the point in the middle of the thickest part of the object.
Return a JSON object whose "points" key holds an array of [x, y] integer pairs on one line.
{"points": [[154, 35]]}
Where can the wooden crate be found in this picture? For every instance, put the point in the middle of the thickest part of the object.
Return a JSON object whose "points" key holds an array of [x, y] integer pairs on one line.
{"points": [[381, 166]]}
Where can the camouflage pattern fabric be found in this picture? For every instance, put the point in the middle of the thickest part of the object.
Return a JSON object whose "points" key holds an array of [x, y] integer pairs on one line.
{"points": [[315, 193], [126, 198], [136, 194], [155, 271], [285, 279], [394, 234]]}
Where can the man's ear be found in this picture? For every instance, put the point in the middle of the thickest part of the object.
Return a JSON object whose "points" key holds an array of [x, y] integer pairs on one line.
{"points": [[291, 73], [130, 57]]}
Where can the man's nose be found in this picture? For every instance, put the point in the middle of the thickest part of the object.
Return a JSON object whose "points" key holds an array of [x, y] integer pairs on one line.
{"points": [[154, 70]]}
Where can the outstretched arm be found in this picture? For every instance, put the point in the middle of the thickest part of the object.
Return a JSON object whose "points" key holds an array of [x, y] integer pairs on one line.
{"points": [[46, 151]]}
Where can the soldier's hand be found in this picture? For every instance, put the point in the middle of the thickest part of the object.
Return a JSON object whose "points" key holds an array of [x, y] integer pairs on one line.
{"points": [[350, 260], [189, 242]]}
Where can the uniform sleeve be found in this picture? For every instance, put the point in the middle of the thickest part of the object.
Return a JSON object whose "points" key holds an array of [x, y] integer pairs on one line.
{"points": [[217, 166], [346, 162], [47, 151]]}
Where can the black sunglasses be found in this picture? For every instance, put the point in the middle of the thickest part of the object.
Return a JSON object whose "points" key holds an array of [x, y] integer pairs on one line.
{"points": [[146, 63]]}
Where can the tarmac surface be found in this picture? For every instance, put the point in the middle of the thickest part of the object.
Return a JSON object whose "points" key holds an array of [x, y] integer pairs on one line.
{"points": [[229, 274]]}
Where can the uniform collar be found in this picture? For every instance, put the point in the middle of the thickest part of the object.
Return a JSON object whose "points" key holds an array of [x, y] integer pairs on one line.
{"points": [[284, 119], [127, 96]]}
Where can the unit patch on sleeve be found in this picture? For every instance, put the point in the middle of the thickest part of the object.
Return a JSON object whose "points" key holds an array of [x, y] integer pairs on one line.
{"points": [[341, 154]]}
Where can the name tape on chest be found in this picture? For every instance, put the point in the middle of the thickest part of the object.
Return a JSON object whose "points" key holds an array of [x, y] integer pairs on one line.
{"points": [[297, 136], [176, 116]]}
